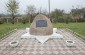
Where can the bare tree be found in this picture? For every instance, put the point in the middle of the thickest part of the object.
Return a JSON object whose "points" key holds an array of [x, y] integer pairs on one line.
{"points": [[12, 6], [44, 11], [31, 11]]}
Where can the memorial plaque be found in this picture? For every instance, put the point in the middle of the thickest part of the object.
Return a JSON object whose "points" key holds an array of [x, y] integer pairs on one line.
{"points": [[41, 23]]}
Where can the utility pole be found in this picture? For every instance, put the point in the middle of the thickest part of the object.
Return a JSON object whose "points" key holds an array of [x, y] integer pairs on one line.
{"points": [[40, 10], [49, 8]]}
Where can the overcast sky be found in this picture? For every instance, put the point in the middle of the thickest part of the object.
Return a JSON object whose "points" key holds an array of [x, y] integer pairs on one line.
{"points": [[60, 4]]}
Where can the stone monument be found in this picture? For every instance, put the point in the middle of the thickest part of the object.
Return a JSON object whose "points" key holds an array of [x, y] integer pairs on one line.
{"points": [[41, 25], [41, 29]]}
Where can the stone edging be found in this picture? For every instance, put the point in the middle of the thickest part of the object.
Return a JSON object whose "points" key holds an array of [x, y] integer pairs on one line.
{"points": [[77, 35], [6, 34]]}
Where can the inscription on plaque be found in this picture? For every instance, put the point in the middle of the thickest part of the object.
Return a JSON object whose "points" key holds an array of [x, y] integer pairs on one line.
{"points": [[41, 23]]}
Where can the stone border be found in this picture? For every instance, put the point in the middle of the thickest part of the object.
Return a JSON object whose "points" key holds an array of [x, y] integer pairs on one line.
{"points": [[7, 34], [76, 34]]}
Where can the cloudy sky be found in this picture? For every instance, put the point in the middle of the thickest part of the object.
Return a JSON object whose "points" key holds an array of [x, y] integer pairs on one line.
{"points": [[60, 4]]}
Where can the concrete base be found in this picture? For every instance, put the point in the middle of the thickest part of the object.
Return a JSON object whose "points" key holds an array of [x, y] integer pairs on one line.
{"points": [[41, 39]]}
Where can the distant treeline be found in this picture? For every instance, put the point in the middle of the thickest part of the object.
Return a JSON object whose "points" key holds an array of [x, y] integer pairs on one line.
{"points": [[76, 15]]}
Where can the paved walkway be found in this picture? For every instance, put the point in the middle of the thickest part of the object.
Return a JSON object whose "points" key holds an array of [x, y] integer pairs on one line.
{"points": [[33, 47]]}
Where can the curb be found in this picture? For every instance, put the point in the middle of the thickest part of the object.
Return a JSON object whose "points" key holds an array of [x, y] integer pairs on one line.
{"points": [[6, 34], [77, 35]]}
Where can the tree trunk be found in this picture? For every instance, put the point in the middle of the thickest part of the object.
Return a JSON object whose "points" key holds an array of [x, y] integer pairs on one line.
{"points": [[29, 19], [13, 18]]}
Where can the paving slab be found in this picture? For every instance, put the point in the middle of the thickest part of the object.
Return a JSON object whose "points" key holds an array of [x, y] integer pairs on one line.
{"points": [[34, 47]]}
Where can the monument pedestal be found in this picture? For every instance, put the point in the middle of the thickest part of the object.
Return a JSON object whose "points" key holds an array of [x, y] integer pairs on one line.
{"points": [[41, 39]]}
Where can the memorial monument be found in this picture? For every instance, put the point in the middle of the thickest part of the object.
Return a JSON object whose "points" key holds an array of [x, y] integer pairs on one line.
{"points": [[41, 25], [41, 29]]}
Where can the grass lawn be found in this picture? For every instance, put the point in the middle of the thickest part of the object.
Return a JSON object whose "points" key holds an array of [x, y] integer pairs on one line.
{"points": [[6, 27], [77, 27]]}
